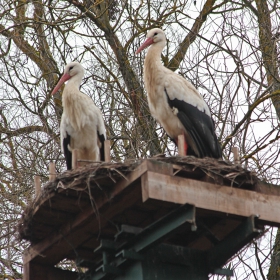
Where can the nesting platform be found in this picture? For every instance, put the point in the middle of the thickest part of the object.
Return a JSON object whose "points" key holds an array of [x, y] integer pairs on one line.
{"points": [[158, 218]]}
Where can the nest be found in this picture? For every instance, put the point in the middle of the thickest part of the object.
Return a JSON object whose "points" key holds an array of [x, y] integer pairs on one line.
{"points": [[92, 177]]}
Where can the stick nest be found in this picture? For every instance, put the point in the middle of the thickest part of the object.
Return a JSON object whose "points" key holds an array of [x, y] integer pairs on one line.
{"points": [[98, 175]]}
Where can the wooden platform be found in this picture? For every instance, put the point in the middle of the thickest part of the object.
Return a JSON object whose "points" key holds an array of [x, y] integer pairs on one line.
{"points": [[113, 201]]}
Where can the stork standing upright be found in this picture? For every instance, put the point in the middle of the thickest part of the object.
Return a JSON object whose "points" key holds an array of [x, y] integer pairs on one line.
{"points": [[176, 104], [82, 126]]}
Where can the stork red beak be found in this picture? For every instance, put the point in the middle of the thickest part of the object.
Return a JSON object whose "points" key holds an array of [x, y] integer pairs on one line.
{"points": [[62, 80], [146, 44]]}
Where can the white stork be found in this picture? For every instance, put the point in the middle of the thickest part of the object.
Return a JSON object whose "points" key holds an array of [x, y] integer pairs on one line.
{"points": [[82, 126], [176, 104]]}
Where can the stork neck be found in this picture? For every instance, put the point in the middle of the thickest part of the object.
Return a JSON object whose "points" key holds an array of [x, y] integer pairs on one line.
{"points": [[71, 91], [152, 65], [154, 53], [71, 102], [74, 82]]}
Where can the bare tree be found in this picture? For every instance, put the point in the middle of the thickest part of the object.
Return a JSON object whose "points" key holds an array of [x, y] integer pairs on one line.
{"points": [[228, 49]]}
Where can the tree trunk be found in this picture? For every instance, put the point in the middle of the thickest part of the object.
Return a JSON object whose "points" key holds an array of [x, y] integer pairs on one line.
{"points": [[270, 62], [269, 52], [274, 270]]}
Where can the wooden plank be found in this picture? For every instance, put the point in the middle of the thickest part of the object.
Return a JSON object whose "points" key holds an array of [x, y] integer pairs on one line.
{"points": [[219, 230], [40, 248], [52, 171], [236, 157], [52, 218], [155, 166], [59, 245], [34, 271], [65, 202], [107, 147], [152, 165], [159, 167], [37, 185], [210, 196], [267, 188], [74, 159], [42, 231], [72, 234]]}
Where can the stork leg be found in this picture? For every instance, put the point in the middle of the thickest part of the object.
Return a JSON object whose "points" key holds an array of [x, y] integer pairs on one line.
{"points": [[182, 145], [185, 147]]}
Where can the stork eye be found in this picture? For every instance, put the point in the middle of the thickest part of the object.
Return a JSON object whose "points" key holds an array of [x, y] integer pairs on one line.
{"points": [[71, 67], [155, 34]]}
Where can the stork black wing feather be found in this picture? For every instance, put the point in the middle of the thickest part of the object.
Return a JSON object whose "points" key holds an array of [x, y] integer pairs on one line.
{"points": [[102, 151], [67, 153], [193, 133], [200, 127]]}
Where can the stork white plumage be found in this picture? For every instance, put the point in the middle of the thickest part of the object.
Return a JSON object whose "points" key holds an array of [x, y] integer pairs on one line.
{"points": [[82, 125], [175, 103]]}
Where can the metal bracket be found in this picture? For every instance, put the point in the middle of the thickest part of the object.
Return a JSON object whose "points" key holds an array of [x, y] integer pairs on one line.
{"points": [[130, 255], [244, 233], [161, 228], [107, 246], [126, 232], [224, 272], [144, 240], [110, 269]]}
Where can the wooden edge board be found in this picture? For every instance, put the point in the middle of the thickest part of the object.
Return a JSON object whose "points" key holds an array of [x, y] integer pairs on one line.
{"points": [[212, 197], [139, 170], [38, 249]]}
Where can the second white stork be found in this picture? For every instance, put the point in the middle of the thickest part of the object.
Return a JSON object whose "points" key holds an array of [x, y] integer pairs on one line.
{"points": [[176, 104], [82, 125]]}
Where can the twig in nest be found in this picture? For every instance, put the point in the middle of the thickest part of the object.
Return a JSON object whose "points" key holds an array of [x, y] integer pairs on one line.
{"points": [[61, 185], [120, 173], [177, 171]]}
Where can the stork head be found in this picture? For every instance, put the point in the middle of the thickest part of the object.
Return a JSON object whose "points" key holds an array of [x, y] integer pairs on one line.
{"points": [[154, 36], [71, 69]]}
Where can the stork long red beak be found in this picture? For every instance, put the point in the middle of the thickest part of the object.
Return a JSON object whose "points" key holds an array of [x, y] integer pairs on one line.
{"points": [[62, 80], [146, 44]]}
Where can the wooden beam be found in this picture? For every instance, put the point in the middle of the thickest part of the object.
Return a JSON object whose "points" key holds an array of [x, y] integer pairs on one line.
{"points": [[236, 157], [218, 231], [52, 171], [146, 165], [267, 188], [58, 245], [212, 197], [34, 271], [37, 185], [107, 147], [74, 159]]}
